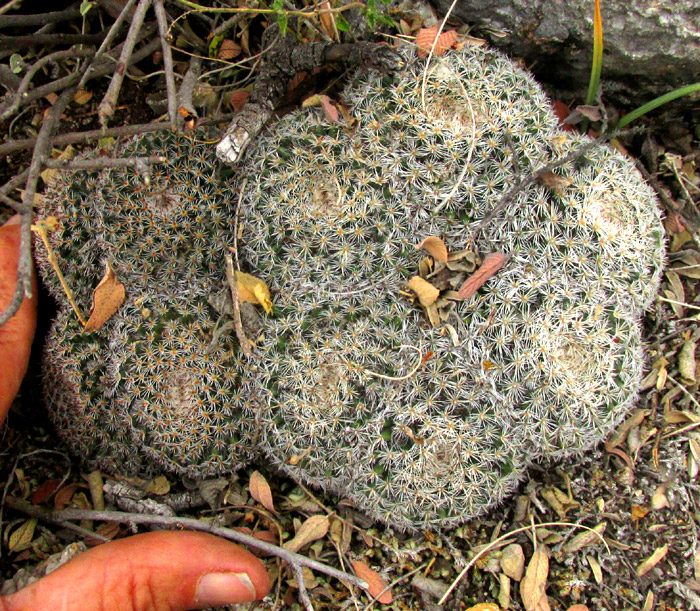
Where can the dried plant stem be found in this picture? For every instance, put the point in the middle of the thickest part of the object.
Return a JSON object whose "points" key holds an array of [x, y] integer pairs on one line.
{"points": [[7, 21], [12, 43], [99, 163], [112, 132], [167, 62], [189, 82], [23, 288], [303, 594], [109, 102], [113, 30], [21, 92], [40, 230], [292, 558]]}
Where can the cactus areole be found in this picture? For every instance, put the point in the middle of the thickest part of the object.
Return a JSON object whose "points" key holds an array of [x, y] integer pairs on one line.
{"points": [[423, 421]]}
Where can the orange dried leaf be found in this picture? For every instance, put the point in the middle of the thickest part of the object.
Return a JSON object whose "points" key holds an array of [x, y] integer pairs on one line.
{"points": [[427, 293], [260, 490], [533, 585], [376, 583], [44, 492], [324, 101], [426, 37], [315, 527], [492, 263], [485, 607], [64, 496], [108, 296], [436, 247], [109, 530]]}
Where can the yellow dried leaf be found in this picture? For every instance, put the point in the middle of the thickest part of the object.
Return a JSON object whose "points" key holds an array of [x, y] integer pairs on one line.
{"points": [[513, 561], [503, 591], [436, 247], [108, 296], [253, 290], [485, 607], [82, 96], [376, 583], [49, 175], [652, 560], [533, 585], [21, 537], [595, 569], [426, 292], [315, 527], [260, 490], [649, 602], [659, 500], [686, 362], [159, 485]]}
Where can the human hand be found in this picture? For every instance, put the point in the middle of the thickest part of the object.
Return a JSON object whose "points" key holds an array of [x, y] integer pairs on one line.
{"points": [[158, 571]]}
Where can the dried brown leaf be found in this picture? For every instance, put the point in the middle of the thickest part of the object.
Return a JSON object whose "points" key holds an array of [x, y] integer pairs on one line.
{"points": [[324, 101], [585, 538], [534, 584], [64, 496], [229, 49], [492, 263], [578, 608], [108, 296], [260, 490], [652, 560], [484, 607], [426, 292], [49, 175], [376, 583], [313, 528], [237, 98], [436, 247], [513, 561], [426, 37], [554, 181], [44, 492]]}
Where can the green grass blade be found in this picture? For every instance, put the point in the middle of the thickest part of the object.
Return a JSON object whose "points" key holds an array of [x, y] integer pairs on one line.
{"points": [[656, 102], [597, 64]]}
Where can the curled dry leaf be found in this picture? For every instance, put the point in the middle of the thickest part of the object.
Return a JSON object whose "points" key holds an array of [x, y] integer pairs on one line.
{"points": [[315, 527], [652, 560], [426, 292], [436, 247], [49, 175], [426, 37], [534, 584], [585, 538], [253, 290], [108, 296], [492, 263], [260, 490], [82, 96], [376, 584]]}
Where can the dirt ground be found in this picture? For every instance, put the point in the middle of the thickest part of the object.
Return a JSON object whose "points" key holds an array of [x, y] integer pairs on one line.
{"points": [[620, 526]]}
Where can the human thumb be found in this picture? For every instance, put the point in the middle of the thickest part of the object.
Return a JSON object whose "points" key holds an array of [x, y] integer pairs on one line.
{"points": [[159, 571], [17, 333]]}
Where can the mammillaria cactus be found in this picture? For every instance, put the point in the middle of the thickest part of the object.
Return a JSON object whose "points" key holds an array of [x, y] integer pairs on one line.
{"points": [[351, 388]]}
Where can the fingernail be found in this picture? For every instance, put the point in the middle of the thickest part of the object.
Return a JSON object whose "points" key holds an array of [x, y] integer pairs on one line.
{"points": [[216, 589]]}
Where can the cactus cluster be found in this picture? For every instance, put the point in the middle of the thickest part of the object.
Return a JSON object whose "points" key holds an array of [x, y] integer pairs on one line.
{"points": [[351, 388]]}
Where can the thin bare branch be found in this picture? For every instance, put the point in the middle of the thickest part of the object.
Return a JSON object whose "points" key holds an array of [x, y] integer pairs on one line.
{"points": [[109, 102], [189, 82], [8, 21], [167, 62], [65, 515], [102, 162], [14, 43]]}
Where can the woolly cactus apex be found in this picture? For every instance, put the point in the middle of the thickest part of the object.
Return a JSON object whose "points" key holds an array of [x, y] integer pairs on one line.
{"points": [[150, 389], [423, 426]]}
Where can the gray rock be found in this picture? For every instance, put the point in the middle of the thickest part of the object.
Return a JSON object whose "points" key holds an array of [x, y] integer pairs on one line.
{"points": [[650, 47]]}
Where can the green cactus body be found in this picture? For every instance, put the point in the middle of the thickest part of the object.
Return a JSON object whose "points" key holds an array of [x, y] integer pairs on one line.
{"points": [[548, 353], [350, 388], [147, 391]]}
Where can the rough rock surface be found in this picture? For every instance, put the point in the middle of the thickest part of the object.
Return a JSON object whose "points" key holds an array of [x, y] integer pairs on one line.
{"points": [[650, 47]]}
